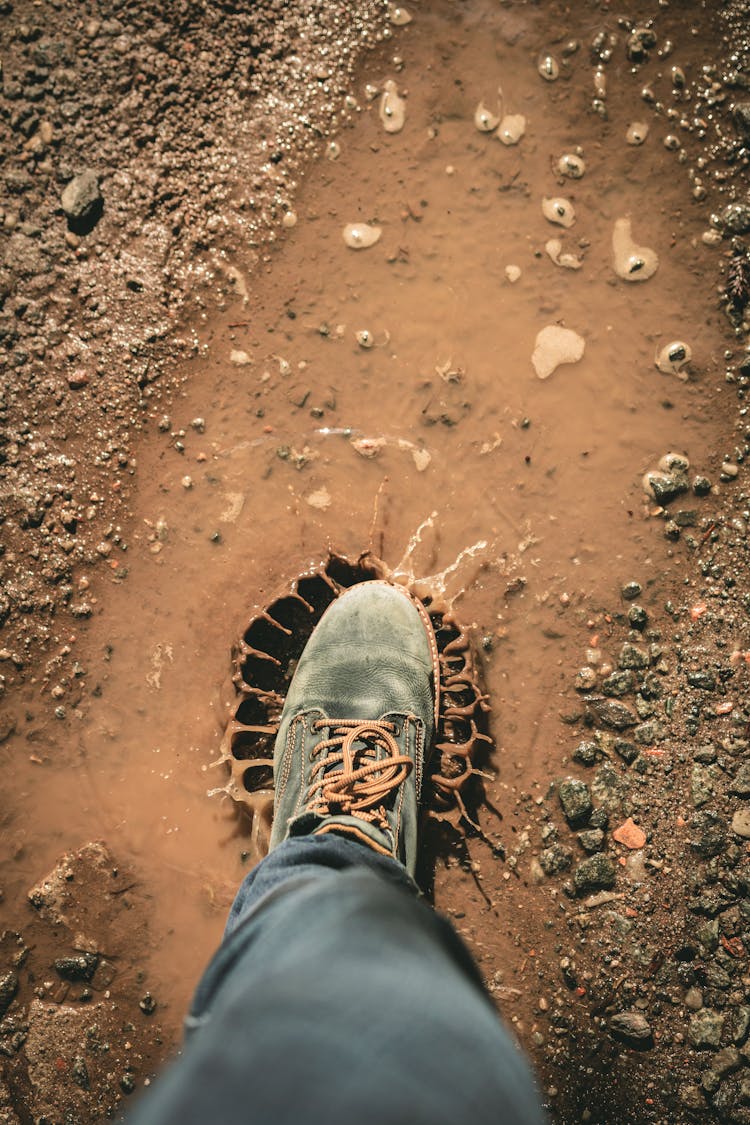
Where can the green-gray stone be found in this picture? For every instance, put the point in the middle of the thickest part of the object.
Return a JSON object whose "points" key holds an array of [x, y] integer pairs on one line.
{"points": [[595, 873], [704, 1029], [575, 799], [650, 731], [631, 656], [618, 683], [741, 782]]}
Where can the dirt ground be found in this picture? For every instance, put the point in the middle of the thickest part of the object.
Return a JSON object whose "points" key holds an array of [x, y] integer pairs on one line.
{"points": [[181, 344]]}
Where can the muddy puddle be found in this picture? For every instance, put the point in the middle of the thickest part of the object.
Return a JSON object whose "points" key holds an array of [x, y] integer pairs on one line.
{"points": [[386, 397]]}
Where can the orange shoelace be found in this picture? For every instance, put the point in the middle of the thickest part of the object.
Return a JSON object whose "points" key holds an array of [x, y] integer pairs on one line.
{"points": [[367, 767]]}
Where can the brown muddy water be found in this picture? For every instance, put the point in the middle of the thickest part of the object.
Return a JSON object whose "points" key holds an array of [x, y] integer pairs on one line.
{"points": [[438, 442]]}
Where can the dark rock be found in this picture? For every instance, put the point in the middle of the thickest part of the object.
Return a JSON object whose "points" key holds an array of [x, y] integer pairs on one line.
{"points": [[704, 1029], [701, 486], [651, 687], [743, 1092], [691, 1097], [726, 1060], [127, 1083], [633, 657], [735, 218], [555, 859], [606, 789], [685, 517], [741, 1026], [610, 713], [708, 935], [630, 591], [710, 1081], [594, 874], [741, 781], [706, 681], [701, 785], [627, 750], [666, 487], [637, 617], [80, 967], [591, 840], [741, 119], [711, 837], [599, 819], [575, 800], [631, 1027], [8, 990], [82, 202], [649, 732], [587, 753], [618, 683], [716, 976], [79, 1073], [706, 755], [147, 1004]]}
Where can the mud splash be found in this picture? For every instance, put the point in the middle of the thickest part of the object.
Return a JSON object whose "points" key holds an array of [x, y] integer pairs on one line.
{"points": [[264, 661]]}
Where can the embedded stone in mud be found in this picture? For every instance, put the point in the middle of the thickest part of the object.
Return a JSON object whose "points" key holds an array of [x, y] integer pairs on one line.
{"points": [[559, 211], [555, 251], [485, 120], [264, 661], [555, 346], [571, 165], [672, 358], [359, 236], [392, 108], [511, 128], [632, 262], [637, 133]]}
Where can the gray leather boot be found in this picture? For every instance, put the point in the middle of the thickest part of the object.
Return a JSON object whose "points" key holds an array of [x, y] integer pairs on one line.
{"points": [[358, 724]]}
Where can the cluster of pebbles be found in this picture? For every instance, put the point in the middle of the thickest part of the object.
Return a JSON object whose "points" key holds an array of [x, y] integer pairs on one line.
{"points": [[126, 137], [643, 844]]}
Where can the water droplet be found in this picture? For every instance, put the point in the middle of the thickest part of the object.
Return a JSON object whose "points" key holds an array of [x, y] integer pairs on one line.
{"points": [[548, 67], [333, 150], [637, 133], [365, 338], [678, 77], [484, 119], [600, 83], [555, 346], [359, 236], [673, 357], [399, 16], [671, 142], [290, 219], [371, 92], [571, 166], [392, 108], [512, 128], [632, 262], [559, 211]]}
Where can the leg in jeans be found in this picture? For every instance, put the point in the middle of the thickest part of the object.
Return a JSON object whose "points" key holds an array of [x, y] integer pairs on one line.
{"points": [[337, 996]]}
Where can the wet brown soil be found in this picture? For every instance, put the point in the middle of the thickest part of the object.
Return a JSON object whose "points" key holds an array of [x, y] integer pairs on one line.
{"points": [[291, 436]]}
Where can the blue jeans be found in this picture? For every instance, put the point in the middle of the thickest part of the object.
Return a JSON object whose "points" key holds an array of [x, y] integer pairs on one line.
{"points": [[337, 996]]}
